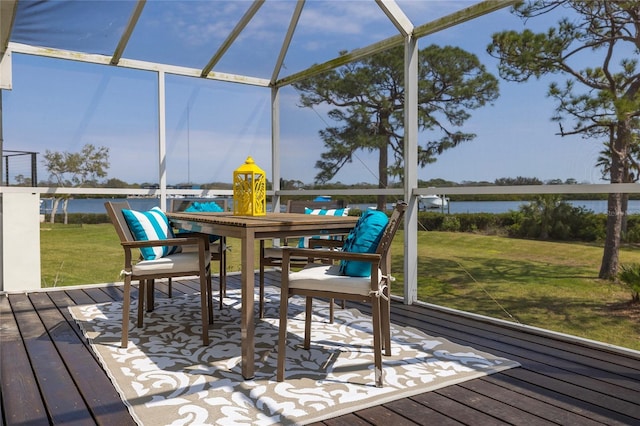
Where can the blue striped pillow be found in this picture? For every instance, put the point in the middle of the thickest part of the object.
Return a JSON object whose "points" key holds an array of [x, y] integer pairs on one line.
{"points": [[150, 225], [304, 242]]}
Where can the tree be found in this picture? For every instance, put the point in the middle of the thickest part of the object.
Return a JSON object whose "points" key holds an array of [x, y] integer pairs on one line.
{"points": [[631, 172], [602, 101], [520, 180], [22, 180], [75, 169], [368, 96]]}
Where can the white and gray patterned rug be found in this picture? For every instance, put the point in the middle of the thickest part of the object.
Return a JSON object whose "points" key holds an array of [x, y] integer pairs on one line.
{"points": [[166, 377]]}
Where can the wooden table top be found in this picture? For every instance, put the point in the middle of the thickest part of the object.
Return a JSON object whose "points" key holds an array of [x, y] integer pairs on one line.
{"points": [[269, 220]]}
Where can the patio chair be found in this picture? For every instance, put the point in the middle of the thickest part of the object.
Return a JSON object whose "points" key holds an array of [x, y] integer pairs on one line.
{"points": [[363, 275], [217, 245], [158, 264], [272, 256]]}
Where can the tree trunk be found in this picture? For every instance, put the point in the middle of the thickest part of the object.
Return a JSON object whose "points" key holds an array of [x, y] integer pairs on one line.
{"points": [[384, 178], [54, 209], [383, 168], [609, 266], [625, 207], [64, 209], [619, 149]]}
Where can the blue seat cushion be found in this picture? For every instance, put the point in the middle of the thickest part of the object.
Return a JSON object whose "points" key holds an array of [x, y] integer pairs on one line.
{"points": [[148, 226], [363, 238]]}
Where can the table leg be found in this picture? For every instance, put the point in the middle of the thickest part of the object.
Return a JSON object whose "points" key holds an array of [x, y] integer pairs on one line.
{"points": [[247, 323]]}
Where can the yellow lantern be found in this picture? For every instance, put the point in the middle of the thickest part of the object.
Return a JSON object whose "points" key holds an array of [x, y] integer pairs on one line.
{"points": [[249, 190]]}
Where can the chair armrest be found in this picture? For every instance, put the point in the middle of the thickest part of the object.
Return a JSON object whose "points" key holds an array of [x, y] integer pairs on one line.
{"points": [[194, 240], [322, 243], [287, 252], [168, 242]]}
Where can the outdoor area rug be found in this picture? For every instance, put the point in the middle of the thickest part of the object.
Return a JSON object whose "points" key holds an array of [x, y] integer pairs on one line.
{"points": [[166, 376]]}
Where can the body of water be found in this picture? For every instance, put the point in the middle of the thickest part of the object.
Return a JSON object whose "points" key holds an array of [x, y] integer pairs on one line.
{"points": [[96, 205]]}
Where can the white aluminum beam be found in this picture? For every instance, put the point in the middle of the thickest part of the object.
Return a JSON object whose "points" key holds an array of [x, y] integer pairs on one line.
{"points": [[464, 15], [411, 169], [397, 16], [133, 64], [162, 139], [255, 6], [287, 40], [126, 35]]}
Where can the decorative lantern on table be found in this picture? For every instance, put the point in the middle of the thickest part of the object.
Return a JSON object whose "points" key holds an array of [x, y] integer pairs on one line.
{"points": [[249, 190]]}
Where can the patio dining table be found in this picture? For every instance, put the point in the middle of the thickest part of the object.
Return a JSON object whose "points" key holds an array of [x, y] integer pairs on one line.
{"points": [[248, 229]]}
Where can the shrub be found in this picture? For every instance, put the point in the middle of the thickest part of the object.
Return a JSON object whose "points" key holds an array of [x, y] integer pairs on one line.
{"points": [[630, 275]]}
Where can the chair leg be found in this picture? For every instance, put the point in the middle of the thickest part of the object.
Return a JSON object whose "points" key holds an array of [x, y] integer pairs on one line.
{"points": [[282, 339], [142, 290], [125, 312], [205, 304], [151, 289], [261, 297], [169, 289], [307, 322], [223, 270], [331, 311], [377, 344], [385, 319], [209, 293]]}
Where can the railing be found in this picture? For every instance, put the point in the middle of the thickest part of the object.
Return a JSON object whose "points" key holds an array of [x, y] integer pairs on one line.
{"points": [[411, 223], [16, 243]]}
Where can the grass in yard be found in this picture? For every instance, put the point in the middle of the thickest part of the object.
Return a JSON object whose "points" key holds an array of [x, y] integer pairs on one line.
{"points": [[543, 284], [92, 254]]}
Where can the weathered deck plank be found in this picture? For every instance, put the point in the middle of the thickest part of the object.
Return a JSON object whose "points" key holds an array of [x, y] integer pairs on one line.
{"points": [[59, 393], [18, 381], [47, 365]]}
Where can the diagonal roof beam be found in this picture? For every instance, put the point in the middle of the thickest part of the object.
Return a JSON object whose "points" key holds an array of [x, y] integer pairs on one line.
{"points": [[471, 12], [397, 16], [287, 40], [232, 36], [464, 15], [352, 56], [7, 15], [133, 20]]}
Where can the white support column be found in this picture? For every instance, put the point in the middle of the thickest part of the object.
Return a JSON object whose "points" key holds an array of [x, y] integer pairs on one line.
{"points": [[275, 145], [162, 140], [411, 170], [20, 217]]}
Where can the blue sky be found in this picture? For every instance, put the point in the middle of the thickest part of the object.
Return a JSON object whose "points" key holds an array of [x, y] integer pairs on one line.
{"points": [[213, 126]]}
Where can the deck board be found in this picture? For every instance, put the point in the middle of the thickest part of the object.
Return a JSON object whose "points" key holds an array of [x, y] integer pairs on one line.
{"points": [[48, 366], [59, 393], [18, 381], [92, 382]]}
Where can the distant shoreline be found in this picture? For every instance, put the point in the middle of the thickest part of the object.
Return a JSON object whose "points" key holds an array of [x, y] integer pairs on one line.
{"points": [[96, 205]]}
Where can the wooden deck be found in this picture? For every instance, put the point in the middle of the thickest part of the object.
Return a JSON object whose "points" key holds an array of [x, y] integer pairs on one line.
{"points": [[48, 374]]}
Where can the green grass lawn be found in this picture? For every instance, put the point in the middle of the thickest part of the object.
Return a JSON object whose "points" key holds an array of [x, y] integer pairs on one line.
{"points": [[543, 284]]}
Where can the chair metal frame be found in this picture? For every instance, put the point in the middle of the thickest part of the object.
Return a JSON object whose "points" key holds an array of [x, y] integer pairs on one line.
{"points": [[129, 244], [272, 256], [217, 249], [378, 295]]}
